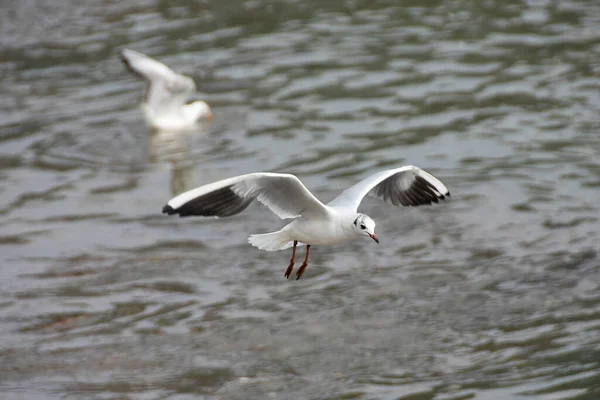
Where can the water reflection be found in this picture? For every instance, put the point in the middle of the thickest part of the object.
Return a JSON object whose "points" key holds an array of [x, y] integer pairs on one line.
{"points": [[175, 148]]}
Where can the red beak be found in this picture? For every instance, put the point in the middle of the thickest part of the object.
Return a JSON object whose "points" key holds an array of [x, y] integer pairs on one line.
{"points": [[374, 237]]}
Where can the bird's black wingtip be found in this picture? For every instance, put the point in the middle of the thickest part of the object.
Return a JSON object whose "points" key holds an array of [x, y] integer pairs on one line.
{"points": [[127, 63], [122, 56], [444, 196], [168, 210]]}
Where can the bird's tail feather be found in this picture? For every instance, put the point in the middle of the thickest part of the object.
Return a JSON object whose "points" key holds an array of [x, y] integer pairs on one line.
{"points": [[271, 241]]}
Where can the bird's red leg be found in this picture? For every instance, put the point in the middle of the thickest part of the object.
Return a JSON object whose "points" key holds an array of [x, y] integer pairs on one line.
{"points": [[304, 264], [290, 267]]}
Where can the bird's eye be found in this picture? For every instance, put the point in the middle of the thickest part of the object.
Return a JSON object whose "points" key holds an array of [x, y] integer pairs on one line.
{"points": [[362, 226]]}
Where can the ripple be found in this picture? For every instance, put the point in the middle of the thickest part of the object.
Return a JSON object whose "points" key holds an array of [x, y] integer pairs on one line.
{"points": [[492, 295]]}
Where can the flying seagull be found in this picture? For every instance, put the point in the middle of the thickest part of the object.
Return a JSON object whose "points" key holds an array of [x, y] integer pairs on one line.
{"points": [[167, 104], [314, 223]]}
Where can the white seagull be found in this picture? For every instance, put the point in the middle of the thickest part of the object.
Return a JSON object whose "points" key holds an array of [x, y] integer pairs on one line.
{"points": [[166, 105], [314, 223]]}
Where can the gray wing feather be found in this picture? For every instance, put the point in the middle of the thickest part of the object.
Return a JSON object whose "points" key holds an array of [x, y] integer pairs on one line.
{"points": [[284, 194], [407, 186], [164, 87]]}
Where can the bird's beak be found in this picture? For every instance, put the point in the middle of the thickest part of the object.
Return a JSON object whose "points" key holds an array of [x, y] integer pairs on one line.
{"points": [[374, 237], [208, 117]]}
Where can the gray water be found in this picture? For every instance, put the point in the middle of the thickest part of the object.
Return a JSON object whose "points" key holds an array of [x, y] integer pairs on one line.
{"points": [[492, 295]]}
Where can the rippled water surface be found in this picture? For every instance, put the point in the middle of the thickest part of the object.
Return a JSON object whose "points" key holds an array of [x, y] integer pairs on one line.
{"points": [[493, 295]]}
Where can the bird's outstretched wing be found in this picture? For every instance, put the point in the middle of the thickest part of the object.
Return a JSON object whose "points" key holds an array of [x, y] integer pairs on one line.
{"points": [[165, 88], [408, 186], [284, 194]]}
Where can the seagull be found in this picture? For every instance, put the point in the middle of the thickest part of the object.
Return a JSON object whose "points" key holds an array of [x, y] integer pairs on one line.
{"points": [[314, 223], [166, 105]]}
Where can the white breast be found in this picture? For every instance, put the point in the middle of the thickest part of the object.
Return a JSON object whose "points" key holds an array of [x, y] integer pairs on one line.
{"points": [[316, 231]]}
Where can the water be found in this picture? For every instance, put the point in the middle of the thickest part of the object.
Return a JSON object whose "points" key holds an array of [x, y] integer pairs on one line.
{"points": [[493, 295]]}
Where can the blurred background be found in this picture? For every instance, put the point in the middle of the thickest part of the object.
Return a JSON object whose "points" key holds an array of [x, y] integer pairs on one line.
{"points": [[492, 295]]}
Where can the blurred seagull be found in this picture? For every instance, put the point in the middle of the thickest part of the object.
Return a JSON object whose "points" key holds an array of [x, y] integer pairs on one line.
{"points": [[314, 222], [166, 103]]}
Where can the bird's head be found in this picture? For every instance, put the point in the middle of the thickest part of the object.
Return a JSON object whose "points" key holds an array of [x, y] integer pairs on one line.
{"points": [[363, 225], [199, 110]]}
